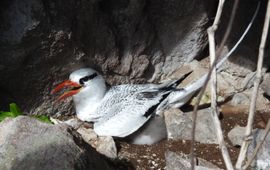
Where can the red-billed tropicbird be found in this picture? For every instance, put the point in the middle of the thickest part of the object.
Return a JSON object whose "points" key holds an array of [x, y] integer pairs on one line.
{"points": [[121, 110], [117, 111]]}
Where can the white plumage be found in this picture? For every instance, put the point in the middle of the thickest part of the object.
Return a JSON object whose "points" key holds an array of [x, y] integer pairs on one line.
{"points": [[117, 111]]}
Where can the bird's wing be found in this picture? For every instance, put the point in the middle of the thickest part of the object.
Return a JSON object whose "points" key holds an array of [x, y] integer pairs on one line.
{"points": [[126, 108]]}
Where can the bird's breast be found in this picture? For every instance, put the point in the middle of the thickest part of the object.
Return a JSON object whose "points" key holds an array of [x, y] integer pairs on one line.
{"points": [[87, 111]]}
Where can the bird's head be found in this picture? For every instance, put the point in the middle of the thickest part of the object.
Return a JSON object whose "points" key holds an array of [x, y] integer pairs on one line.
{"points": [[79, 80]]}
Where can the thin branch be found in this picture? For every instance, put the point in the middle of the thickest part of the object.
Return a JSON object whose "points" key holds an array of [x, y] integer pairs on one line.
{"points": [[243, 151], [266, 131], [214, 110], [226, 35]]}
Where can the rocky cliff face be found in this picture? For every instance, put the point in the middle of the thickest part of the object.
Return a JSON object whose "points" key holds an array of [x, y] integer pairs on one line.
{"points": [[42, 41]]}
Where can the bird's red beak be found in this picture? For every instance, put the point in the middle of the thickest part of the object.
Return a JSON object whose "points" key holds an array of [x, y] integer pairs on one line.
{"points": [[74, 89]]}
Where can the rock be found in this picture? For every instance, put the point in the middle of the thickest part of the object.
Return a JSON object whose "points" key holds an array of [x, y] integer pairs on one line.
{"points": [[88, 135], [236, 135], [27, 143], [181, 161], [103, 144], [241, 65], [106, 146], [262, 160], [240, 99], [139, 66], [179, 125], [266, 84], [73, 122], [240, 103], [248, 81]]}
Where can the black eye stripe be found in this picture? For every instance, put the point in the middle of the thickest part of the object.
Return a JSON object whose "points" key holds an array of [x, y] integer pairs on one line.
{"points": [[86, 78]]}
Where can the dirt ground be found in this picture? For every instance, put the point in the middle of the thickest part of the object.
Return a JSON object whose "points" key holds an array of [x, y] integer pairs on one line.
{"points": [[144, 157]]}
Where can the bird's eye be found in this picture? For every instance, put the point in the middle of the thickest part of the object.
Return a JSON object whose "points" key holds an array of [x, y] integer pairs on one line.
{"points": [[82, 80], [87, 78]]}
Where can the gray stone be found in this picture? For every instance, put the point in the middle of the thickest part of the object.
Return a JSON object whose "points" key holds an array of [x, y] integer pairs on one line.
{"points": [[241, 65], [176, 161], [236, 135], [266, 84], [106, 146], [88, 135], [139, 66], [73, 122], [179, 125], [262, 159], [103, 144], [27, 143], [248, 81], [240, 99]]}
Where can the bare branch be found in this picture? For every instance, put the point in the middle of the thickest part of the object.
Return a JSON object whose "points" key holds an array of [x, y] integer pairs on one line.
{"points": [[214, 27], [214, 111], [243, 151], [226, 35]]}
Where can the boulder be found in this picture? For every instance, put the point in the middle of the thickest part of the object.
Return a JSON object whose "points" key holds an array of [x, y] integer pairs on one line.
{"points": [[103, 144], [27, 143], [237, 134], [266, 84], [179, 126], [262, 159]]}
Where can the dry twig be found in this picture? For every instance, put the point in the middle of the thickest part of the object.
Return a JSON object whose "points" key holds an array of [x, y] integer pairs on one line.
{"points": [[214, 111], [217, 18], [243, 151], [226, 35]]}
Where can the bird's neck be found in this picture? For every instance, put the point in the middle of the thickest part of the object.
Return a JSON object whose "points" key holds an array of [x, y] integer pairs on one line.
{"points": [[87, 101]]}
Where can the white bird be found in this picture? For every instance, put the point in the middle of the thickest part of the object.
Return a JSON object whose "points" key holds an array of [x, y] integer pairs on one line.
{"points": [[117, 111]]}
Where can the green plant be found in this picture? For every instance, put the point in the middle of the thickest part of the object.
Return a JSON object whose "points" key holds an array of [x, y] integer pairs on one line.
{"points": [[15, 111], [42, 118]]}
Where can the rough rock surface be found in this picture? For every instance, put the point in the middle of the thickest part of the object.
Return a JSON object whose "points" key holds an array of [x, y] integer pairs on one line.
{"points": [[237, 134], [126, 40], [27, 143], [262, 160], [266, 84], [240, 99], [179, 125], [243, 100], [176, 161], [103, 144]]}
